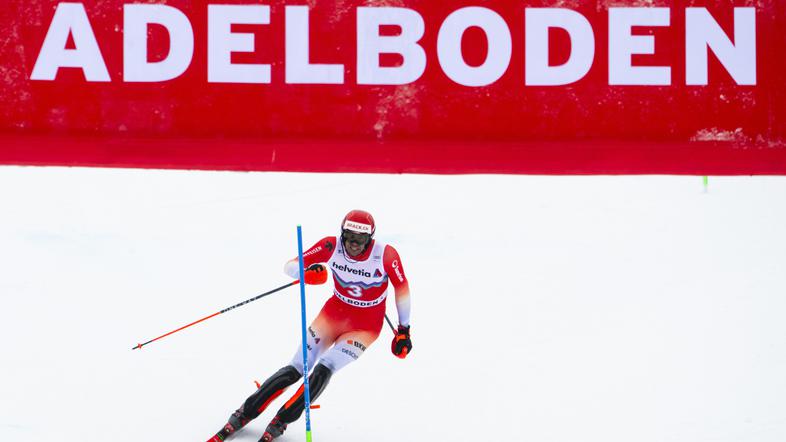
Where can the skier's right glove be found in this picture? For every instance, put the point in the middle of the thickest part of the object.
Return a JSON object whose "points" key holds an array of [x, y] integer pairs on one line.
{"points": [[315, 274], [402, 344]]}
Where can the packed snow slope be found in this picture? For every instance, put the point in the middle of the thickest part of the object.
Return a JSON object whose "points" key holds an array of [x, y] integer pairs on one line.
{"points": [[545, 309]]}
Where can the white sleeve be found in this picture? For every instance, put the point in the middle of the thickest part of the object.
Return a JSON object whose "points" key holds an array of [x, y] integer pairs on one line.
{"points": [[403, 307], [292, 269]]}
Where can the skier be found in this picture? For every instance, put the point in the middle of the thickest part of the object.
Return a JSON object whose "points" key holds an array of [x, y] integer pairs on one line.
{"points": [[349, 322]]}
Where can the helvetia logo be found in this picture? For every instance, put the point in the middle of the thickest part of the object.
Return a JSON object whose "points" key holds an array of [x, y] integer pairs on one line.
{"points": [[346, 268], [377, 273]]}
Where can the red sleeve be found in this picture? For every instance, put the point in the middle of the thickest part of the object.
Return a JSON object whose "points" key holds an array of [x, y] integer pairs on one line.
{"points": [[395, 270], [392, 264], [319, 252]]}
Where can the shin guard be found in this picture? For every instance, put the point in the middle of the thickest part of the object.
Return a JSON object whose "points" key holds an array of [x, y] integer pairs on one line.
{"points": [[271, 389], [317, 382]]}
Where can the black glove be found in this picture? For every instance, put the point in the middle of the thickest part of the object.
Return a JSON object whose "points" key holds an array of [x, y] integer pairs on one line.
{"points": [[402, 344], [315, 274]]}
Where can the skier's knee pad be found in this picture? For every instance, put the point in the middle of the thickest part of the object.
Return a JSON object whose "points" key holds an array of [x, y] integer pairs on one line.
{"points": [[288, 374], [319, 379], [284, 377]]}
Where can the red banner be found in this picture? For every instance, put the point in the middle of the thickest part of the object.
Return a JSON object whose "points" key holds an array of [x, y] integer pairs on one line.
{"points": [[554, 87]]}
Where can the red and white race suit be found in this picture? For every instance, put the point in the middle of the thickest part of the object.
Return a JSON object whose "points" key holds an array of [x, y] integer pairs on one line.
{"points": [[353, 317]]}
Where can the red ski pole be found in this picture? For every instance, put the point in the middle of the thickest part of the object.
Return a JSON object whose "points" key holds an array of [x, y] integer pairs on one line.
{"points": [[218, 313]]}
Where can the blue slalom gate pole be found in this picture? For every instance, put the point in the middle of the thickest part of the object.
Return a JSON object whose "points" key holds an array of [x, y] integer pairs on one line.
{"points": [[306, 392]]}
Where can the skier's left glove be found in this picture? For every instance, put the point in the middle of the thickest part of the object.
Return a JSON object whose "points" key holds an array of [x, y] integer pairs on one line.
{"points": [[402, 344], [315, 274]]}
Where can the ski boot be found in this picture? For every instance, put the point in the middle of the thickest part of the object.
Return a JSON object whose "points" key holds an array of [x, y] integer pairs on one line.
{"points": [[236, 422], [274, 429]]}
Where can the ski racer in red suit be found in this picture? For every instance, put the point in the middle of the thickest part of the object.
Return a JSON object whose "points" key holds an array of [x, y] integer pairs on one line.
{"points": [[349, 322]]}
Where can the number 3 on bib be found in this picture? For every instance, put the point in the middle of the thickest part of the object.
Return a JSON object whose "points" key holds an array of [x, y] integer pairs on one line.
{"points": [[355, 291]]}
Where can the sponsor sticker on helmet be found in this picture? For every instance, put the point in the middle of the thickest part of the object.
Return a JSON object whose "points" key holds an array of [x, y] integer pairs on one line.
{"points": [[357, 227]]}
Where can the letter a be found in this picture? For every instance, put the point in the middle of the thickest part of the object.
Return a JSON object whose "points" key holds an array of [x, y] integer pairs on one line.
{"points": [[70, 18]]}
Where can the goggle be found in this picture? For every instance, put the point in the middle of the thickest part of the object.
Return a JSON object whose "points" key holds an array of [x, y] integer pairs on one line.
{"points": [[359, 238]]}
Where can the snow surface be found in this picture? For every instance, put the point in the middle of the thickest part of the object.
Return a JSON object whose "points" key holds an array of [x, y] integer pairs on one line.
{"points": [[566, 309]]}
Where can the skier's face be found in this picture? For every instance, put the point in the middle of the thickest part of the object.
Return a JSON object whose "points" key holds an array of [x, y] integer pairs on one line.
{"points": [[355, 243]]}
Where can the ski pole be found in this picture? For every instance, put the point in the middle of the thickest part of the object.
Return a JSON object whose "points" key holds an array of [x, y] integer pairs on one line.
{"points": [[306, 387], [390, 324], [218, 313]]}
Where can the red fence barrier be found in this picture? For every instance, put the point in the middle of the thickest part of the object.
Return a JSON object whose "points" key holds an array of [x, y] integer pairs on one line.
{"points": [[553, 87]]}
